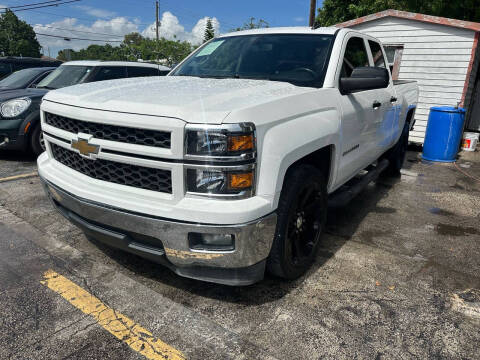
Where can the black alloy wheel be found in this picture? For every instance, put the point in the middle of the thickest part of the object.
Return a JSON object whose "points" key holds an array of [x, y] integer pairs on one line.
{"points": [[301, 220]]}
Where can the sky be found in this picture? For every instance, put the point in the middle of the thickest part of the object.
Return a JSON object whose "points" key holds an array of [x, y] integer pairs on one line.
{"points": [[109, 20]]}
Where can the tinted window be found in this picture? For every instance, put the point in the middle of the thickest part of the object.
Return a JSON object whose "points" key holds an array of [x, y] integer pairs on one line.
{"points": [[298, 59], [141, 71], [4, 69], [110, 73], [65, 75], [355, 56], [377, 54]]}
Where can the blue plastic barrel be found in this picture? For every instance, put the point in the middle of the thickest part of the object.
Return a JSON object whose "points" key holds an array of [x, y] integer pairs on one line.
{"points": [[444, 133]]}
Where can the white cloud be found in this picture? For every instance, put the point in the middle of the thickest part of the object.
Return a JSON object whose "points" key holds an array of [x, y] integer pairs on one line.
{"points": [[170, 28], [299, 19], [99, 13], [115, 28]]}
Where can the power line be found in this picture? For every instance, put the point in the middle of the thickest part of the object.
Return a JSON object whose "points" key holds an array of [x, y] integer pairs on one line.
{"points": [[68, 38], [42, 6], [82, 18], [81, 31], [27, 5]]}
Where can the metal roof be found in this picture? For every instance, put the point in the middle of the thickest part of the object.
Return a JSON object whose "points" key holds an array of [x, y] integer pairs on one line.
{"points": [[474, 26]]}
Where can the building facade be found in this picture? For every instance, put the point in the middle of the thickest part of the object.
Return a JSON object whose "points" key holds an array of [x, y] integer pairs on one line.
{"points": [[439, 53]]}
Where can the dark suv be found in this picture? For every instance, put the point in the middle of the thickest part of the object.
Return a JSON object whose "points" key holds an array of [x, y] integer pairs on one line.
{"points": [[20, 109], [10, 64]]}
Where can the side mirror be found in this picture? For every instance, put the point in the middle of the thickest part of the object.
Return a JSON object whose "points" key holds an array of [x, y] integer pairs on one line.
{"points": [[365, 78]]}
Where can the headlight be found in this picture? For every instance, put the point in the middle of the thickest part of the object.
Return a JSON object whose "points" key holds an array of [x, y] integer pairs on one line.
{"points": [[15, 107], [228, 152], [225, 142], [227, 182]]}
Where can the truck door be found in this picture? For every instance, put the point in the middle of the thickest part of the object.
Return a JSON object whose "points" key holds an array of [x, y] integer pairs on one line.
{"points": [[358, 114], [386, 111]]}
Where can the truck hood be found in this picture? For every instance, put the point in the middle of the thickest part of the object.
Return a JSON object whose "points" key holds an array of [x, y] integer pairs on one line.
{"points": [[194, 100]]}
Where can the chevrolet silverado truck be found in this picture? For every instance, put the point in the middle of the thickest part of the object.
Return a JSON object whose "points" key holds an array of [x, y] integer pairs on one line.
{"points": [[225, 168]]}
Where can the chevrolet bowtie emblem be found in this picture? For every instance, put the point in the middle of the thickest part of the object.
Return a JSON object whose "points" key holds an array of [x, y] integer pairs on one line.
{"points": [[84, 148]]}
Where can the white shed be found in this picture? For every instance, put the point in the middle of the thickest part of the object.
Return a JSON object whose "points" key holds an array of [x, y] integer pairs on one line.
{"points": [[437, 52]]}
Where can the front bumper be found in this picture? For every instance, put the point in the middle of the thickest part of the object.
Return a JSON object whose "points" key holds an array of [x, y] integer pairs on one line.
{"points": [[166, 241], [11, 136]]}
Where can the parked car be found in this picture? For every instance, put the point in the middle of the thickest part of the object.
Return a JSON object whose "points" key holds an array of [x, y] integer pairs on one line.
{"points": [[20, 109], [224, 168], [23, 79], [10, 64]]}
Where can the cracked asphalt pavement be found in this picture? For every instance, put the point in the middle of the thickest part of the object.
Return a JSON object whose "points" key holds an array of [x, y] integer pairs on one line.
{"points": [[397, 277]]}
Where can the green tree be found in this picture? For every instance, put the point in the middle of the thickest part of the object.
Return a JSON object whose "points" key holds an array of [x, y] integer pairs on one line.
{"points": [[17, 38], [133, 47], [336, 11], [209, 31], [251, 24]]}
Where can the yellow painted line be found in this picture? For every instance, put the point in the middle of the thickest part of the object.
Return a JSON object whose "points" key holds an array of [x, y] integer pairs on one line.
{"points": [[123, 328], [16, 177]]}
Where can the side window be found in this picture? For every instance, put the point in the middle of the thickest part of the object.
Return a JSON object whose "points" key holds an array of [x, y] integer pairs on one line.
{"points": [[110, 73], [377, 54], [141, 71], [355, 56]]}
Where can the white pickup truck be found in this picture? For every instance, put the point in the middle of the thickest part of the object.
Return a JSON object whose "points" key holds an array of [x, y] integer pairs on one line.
{"points": [[225, 168]]}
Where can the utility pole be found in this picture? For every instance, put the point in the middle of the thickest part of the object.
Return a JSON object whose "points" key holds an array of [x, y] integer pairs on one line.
{"points": [[313, 5], [157, 24]]}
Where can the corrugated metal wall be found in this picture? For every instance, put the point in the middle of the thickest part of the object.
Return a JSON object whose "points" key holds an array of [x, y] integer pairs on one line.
{"points": [[437, 56]]}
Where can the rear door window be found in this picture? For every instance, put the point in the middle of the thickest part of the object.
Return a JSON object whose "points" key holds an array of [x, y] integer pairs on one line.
{"points": [[141, 71], [110, 73], [355, 56], [377, 54]]}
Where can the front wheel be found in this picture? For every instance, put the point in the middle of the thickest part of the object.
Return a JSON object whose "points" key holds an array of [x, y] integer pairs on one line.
{"points": [[37, 143], [302, 212]]}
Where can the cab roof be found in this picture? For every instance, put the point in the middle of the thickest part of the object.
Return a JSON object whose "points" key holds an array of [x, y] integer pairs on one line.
{"points": [[284, 30]]}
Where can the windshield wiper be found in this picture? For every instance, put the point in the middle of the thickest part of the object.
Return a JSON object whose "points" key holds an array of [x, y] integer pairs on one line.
{"points": [[46, 87]]}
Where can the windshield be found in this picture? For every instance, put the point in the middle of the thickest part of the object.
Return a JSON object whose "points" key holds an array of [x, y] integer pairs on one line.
{"points": [[65, 75], [298, 59], [20, 79]]}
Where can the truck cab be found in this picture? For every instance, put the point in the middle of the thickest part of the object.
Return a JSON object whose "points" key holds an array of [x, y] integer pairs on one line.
{"points": [[225, 168]]}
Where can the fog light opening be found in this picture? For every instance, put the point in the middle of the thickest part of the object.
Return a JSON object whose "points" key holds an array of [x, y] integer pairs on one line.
{"points": [[4, 140], [211, 242]]}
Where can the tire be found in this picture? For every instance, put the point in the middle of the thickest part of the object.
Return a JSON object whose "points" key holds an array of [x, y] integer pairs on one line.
{"points": [[396, 155], [37, 144], [302, 213]]}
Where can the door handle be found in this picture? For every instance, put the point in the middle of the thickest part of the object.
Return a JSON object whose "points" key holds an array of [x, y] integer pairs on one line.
{"points": [[376, 104], [393, 99]]}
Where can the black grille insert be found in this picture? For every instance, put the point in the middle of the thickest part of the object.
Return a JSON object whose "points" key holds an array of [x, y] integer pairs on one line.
{"points": [[161, 139], [115, 172]]}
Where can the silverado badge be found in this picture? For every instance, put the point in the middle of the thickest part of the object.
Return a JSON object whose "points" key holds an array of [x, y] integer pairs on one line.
{"points": [[83, 146]]}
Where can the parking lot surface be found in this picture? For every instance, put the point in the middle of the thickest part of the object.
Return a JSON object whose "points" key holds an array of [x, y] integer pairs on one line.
{"points": [[397, 277]]}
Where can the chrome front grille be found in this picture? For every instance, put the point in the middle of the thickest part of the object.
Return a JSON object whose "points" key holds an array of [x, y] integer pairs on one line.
{"points": [[115, 172], [155, 138]]}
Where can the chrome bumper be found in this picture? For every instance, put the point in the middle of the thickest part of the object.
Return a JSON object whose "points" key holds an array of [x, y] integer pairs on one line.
{"points": [[166, 241]]}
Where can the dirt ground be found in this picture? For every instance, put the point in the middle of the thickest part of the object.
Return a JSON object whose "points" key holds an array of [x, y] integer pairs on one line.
{"points": [[397, 277]]}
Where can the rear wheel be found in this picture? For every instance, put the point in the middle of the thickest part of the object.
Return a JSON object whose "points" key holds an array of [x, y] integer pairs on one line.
{"points": [[37, 143], [301, 214], [396, 155]]}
